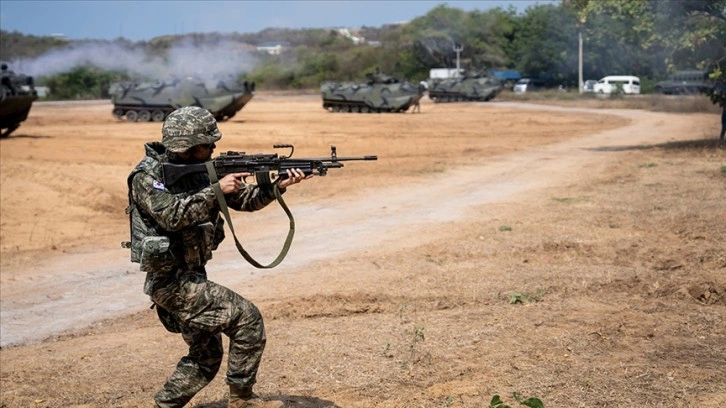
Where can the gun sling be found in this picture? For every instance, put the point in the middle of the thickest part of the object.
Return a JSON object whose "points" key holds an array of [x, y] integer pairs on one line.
{"points": [[225, 211]]}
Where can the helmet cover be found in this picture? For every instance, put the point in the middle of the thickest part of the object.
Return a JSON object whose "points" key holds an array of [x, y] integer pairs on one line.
{"points": [[188, 127]]}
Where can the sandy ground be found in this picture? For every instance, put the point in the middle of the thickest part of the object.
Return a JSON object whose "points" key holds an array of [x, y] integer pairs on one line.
{"points": [[567, 253]]}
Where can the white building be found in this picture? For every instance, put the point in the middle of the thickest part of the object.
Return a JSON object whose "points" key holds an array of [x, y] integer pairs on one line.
{"points": [[347, 34], [272, 47]]}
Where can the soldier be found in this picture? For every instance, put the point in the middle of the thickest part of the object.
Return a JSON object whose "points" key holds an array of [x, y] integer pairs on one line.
{"points": [[416, 107], [422, 88], [6, 80], [174, 231]]}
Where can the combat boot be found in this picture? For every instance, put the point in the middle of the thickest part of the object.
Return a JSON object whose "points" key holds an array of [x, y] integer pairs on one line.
{"points": [[245, 398]]}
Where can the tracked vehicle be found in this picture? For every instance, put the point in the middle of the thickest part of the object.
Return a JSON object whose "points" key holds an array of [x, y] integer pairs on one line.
{"points": [[154, 101], [469, 87], [380, 93], [17, 93]]}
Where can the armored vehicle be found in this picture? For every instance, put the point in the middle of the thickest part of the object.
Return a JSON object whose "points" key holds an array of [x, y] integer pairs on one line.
{"points": [[380, 93], [17, 93], [472, 86], [154, 101], [684, 83]]}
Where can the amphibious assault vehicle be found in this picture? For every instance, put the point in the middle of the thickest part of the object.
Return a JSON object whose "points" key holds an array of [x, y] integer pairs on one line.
{"points": [[17, 93], [380, 93], [154, 101], [472, 86]]}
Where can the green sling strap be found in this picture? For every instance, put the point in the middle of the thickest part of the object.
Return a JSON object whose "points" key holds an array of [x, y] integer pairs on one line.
{"points": [[223, 206]]}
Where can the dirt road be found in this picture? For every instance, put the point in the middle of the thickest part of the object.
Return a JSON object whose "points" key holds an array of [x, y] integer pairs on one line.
{"points": [[439, 174], [97, 286]]}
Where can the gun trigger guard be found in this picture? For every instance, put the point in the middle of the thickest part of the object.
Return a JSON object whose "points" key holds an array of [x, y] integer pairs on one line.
{"points": [[249, 179]]}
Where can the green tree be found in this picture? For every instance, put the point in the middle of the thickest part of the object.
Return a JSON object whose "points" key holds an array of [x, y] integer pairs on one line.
{"points": [[315, 67], [672, 34], [82, 83], [14, 45], [272, 73], [485, 37], [545, 44]]}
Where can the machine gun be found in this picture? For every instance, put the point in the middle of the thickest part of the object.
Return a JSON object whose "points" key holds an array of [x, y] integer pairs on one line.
{"points": [[265, 168]]}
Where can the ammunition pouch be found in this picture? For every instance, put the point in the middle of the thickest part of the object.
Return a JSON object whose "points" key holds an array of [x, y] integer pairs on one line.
{"points": [[199, 242]]}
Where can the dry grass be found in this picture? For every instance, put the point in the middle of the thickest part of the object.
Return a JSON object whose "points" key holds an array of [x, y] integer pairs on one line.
{"points": [[650, 102], [607, 289], [623, 289]]}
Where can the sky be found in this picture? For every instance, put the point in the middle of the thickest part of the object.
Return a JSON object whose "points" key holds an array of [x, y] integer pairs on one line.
{"points": [[144, 20]]}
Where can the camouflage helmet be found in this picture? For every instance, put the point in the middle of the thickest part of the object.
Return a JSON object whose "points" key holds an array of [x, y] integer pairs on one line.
{"points": [[188, 127]]}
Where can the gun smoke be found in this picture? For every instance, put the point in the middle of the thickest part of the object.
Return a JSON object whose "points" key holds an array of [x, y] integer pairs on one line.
{"points": [[206, 60]]}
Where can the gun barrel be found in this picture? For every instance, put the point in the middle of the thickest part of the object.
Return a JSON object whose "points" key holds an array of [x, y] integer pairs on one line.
{"points": [[355, 158]]}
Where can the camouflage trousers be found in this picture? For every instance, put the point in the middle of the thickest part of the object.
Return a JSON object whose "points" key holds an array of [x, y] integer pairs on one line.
{"points": [[202, 311]]}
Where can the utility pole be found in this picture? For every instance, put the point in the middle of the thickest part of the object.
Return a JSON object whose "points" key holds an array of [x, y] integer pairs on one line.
{"points": [[458, 49], [580, 27], [579, 68]]}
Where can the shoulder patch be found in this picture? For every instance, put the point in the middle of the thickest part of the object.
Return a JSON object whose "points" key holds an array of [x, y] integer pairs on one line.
{"points": [[158, 185]]}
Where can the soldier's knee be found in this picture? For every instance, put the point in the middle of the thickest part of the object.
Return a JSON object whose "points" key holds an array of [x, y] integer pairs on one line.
{"points": [[249, 327]]}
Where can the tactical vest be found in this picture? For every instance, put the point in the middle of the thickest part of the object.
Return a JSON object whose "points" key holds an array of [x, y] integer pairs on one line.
{"points": [[161, 251]]}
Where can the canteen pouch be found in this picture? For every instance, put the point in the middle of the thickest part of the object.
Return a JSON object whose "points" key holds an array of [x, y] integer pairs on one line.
{"points": [[156, 255]]}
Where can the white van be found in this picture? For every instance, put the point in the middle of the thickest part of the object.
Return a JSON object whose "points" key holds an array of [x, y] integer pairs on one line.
{"points": [[628, 84]]}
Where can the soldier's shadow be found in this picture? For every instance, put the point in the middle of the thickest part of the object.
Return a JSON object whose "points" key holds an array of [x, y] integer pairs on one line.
{"points": [[699, 144], [291, 401], [24, 136]]}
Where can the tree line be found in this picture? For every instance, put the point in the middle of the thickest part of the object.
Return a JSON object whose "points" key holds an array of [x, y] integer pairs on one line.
{"points": [[646, 38]]}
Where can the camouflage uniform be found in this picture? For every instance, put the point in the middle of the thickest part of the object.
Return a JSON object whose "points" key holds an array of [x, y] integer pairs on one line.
{"points": [[187, 213]]}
